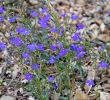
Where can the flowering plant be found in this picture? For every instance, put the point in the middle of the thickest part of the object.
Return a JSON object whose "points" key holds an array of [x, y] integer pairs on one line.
{"points": [[45, 46]]}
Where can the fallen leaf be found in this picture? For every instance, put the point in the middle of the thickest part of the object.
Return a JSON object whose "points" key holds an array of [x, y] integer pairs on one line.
{"points": [[80, 95], [104, 37]]}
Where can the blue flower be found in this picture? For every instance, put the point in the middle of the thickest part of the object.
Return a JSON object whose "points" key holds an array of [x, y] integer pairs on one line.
{"points": [[64, 15], [2, 9], [12, 20], [35, 66], [53, 47], [51, 78], [23, 31], [40, 47], [48, 17], [74, 46], [27, 62], [80, 48], [52, 60], [81, 54], [61, 31], [80, 26], [54, 30], [76, 37], [29, 76], [34, 14], [74, 16], [63, 52], [16, 41], [31, 47], [44, 10], [102, 47], [90, 82], [2, 45], [55, 86], [43, 23], [1, 18], [103, 64], [26, 55]]}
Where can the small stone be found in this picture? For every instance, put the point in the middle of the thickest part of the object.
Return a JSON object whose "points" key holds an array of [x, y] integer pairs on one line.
{"points": [[106, 19], [7, 98], [16, 69], [102, 27], [33, 2], [31, 98], [7, 34]]}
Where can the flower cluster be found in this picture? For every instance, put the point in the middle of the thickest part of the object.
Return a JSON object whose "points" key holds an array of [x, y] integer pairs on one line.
{"points": [[23, 31], [79, 50]]}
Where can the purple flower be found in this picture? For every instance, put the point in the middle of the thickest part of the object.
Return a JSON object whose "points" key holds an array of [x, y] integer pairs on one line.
{"points": [[76, 37], [51, 78], [80, 26], [23, 31], [55, 86], [12, 20], [2, 9], [80, 48], [16, 41], [26, 55], [73, 46], [74, 16], [81, 54], [102, 47], [43, 23], [61, 31], [53, 47], [35, 66], [77, 48], [64, 15], [29, 76], [90, 82], [103, 64], [1, 18], [54, 30], [31, 47], [2, 45], [47, 17], [63, 52], [27, 62], [34, 14], [44, 10], [40, 47], [52, 60]]}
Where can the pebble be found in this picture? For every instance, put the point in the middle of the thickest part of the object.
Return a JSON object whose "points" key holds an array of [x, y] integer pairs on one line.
{"points": [[33, 2], [4, 97], [102, 27], [107, 21], [31, 98]]}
